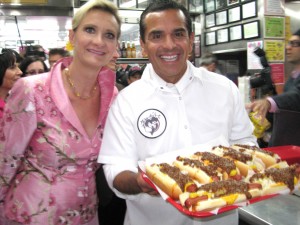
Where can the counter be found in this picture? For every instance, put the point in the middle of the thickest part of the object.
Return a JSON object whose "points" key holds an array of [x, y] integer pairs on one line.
{"points": [[279, 210]]}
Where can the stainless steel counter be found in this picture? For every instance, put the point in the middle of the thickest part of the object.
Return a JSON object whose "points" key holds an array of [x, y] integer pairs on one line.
{"points": [[279, 210]]}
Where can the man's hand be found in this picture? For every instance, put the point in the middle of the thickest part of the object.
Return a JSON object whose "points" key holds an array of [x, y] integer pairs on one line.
{"points": [[132, 183], [261, 106], [144, 186]]}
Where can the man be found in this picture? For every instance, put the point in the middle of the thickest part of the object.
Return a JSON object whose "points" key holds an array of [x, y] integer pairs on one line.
{"points": [[290, 98], [135, 73], [209, 62], [55, 54], [174, 105]]}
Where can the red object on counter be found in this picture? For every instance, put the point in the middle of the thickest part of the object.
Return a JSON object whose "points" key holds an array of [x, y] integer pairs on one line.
{"points": [[289, 153]]}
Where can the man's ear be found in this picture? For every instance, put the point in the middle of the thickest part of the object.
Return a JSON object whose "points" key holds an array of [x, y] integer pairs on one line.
{"points": [[144, 51]]}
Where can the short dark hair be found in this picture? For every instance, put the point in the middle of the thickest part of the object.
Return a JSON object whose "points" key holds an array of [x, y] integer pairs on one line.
{"points": [[162, 5], [297, 33], [7, 59], [135, 70], [28, 60], [58, 51], [207, 59]]}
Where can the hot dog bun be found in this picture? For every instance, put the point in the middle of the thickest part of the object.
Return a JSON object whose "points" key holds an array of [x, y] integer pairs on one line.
{"points": [[197, 170], [244, 161], [225, 165], [268, 158], [274, 180], [172, 186], [216, 195]]}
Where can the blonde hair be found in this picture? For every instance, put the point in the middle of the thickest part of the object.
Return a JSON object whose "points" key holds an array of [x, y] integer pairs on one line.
{"points": [[103, 5]]}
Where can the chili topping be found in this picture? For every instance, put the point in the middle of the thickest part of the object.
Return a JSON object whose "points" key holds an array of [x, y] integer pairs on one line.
{"points": [[211, 169], [226, 187], [284, 175], [175, 173], [225, 164]]}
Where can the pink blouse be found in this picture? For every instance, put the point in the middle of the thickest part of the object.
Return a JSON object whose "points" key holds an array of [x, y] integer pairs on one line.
{"points": [[2, 104], [47, 161]]}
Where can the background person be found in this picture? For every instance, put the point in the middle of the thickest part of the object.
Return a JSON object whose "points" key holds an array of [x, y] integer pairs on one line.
{"points": [[48, 174], [134, 74], [209, 61], [290, 98], [167, 93], [55, 54], [36, 50], [33, 65], [9, 74]]}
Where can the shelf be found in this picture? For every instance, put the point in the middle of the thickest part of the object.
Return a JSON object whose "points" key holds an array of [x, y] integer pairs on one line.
{"points": [[133, 60]]}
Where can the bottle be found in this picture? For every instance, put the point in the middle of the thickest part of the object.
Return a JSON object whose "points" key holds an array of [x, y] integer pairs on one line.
{"points": [[133, 51], [123, 50], [128, 50]]}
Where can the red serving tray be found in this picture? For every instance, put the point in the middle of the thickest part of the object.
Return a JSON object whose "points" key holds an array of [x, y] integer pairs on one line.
{"points": [[289, 153]]}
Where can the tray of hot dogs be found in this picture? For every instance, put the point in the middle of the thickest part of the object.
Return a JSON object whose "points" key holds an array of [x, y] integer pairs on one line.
{"points": [[203, 181]]}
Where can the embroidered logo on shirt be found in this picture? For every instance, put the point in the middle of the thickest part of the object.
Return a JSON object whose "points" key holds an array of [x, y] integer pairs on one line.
{"points": [[152, 123]]}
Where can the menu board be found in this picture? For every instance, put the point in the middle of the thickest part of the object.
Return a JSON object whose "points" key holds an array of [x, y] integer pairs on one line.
{"points": [[210, 38], [222, 35], [275, 50], [274, 7], [210, 20], [221, 4], [274, 27], [221, 18], [235, 33], [234, 14], [249, 10], [251, 30], [209, 5]]}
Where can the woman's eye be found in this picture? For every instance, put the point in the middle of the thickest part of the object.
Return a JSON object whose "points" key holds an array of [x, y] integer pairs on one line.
{"points": [[110, 36], [90, 30]]}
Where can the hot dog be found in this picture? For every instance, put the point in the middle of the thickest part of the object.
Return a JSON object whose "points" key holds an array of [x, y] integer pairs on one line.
{"points": [[243, 160], [170, 179], [225, 165], [269, 158], [274, 180], [218, 194], [198, 170]]}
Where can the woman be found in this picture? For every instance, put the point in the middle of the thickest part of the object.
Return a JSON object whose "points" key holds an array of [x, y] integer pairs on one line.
{"points": [[47, 176], [9, 74], [32, 65]]}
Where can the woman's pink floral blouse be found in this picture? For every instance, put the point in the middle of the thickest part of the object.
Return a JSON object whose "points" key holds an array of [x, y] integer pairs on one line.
{"points": [[47, 161]]}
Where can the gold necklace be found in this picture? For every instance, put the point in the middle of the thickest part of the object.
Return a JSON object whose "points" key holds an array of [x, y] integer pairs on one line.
{"points": [[73, 87]]}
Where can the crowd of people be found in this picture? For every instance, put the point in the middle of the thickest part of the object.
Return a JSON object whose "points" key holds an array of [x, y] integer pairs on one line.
{"points": [[71, 136]]}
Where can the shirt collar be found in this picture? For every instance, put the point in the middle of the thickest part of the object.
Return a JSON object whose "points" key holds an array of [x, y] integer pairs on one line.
{"points": [[169, 87], [295, 74]]}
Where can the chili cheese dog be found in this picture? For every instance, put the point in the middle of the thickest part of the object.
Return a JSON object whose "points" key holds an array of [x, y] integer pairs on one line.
{"points": [[274, 179], [269, 158], [198, 170], [225, 165], [170, 179], [244, 161], [218, 194]]}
